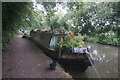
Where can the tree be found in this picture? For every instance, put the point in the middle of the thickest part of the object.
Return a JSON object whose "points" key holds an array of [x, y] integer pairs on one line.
{"points": [[15, 15]]}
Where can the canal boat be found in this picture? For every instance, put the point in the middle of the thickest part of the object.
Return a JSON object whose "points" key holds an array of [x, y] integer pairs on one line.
{"points": [[72, 58]]}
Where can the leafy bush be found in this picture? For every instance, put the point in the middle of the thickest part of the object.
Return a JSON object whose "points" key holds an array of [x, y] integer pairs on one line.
{"points": [[15, 15], [103, 38], [6, 37]]}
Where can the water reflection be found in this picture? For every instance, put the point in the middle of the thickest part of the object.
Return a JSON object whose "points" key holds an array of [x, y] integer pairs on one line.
{"points": [[106, 62], [98, 57]]}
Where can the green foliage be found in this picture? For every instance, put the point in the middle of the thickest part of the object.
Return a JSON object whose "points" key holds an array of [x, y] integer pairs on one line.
{"points": [[67, 43], [104, 38], [14, 16], [85, 18], [6, 37], [92, 20]]}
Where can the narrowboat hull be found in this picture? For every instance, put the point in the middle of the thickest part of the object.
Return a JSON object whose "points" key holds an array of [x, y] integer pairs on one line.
{"points": [[79, 63]]}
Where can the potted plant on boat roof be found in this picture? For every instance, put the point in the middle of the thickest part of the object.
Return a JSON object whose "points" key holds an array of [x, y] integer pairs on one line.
{"points": [[69, 41]]}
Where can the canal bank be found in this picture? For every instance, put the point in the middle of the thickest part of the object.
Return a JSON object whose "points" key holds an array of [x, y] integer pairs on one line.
{"points": [[23, 59]]}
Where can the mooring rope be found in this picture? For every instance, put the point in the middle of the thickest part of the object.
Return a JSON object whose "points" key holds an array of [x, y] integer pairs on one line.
{"points": [[93, 64]]}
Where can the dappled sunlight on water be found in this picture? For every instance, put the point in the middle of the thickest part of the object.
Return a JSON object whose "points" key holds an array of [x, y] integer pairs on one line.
{"points": [[98, 57], [105, 62]]}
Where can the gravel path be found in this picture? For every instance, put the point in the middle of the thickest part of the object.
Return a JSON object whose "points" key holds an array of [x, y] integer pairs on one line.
{"points": [[23, 59]]}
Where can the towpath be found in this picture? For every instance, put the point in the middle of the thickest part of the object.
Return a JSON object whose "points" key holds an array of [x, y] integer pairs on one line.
{"points": [[23, 59]]}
